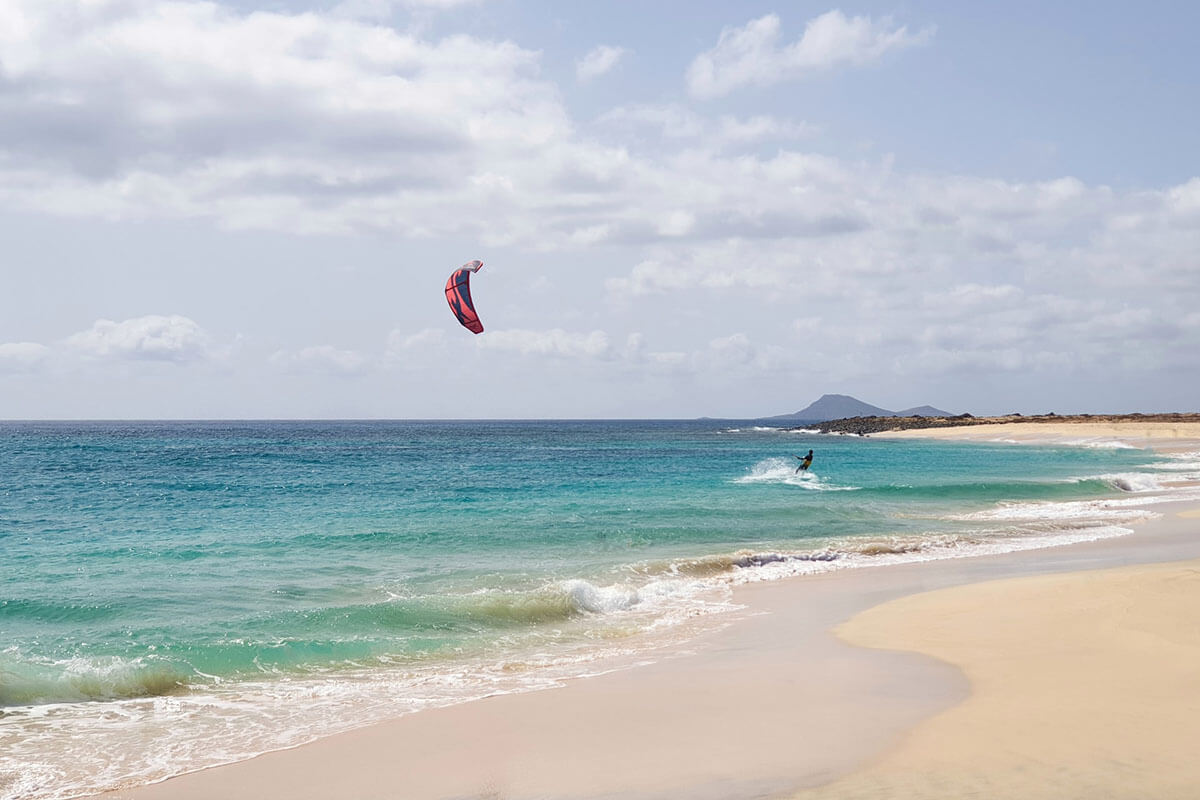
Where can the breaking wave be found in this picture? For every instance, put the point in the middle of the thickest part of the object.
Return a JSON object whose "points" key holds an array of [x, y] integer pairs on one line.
{"points": [[1133, 482], [33, 682]]}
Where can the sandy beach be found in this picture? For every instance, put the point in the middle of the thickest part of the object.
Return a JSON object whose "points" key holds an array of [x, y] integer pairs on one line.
{"points": [[1163, 436], [1082, 685], [1065, 672]]}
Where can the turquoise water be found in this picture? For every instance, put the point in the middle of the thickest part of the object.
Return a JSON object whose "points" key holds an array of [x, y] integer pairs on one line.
{"points": [[199, 592]]}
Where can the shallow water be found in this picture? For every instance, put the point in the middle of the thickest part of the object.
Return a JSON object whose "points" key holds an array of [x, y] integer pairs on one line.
{"points": [[199, 592]]}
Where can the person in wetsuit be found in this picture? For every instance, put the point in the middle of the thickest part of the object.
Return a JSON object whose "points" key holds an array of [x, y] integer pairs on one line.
{"points": [[805, 462]]}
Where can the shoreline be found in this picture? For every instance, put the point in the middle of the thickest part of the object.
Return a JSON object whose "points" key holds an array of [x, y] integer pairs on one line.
{"points": [[772, 704], [1161, 436], [740, 713]]}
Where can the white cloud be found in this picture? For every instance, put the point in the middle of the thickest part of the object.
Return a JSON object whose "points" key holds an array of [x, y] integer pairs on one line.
{"points": [[152, 338], [598, 62], [325, 359], [732, 351], [752, 55], [649, 277], [555, 342], [675, 121], [382, 9], [672, 121], [400, 342], [762, 127], [1185, 199], [706, 270], [22, 356], [138, 108]]}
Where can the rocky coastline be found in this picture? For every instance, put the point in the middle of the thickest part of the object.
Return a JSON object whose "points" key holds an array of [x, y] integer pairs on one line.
{"points": [[861, 426]]}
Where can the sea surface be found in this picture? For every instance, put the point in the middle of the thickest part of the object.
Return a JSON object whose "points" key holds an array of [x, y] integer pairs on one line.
{"points": [[178, 595]]}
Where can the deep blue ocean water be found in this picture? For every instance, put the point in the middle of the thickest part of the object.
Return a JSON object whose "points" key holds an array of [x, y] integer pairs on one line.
{"points": [[198, 592]]}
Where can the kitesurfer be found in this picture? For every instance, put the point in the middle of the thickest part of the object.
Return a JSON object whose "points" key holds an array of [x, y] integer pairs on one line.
{"points": [[805, 462]]}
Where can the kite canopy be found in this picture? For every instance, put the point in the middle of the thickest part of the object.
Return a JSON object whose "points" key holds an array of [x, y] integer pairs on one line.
{"points": [[458, 295]]}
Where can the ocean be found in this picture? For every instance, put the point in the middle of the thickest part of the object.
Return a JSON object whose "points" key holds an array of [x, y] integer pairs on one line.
{"points": [[175, 595]]}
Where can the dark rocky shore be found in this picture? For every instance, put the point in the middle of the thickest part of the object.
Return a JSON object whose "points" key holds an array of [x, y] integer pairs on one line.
{"points": [[864, 425]]}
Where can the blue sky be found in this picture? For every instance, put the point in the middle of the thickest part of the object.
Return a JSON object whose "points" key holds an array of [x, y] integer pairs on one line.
{"points": [[249, 209], [1022, 91]]}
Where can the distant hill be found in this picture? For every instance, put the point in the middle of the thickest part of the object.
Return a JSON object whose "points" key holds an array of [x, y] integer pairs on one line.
{"points": [[922, 411], [841, 406]]}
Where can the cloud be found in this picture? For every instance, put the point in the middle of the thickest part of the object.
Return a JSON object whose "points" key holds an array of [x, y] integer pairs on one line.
{"points": [[382, 9], [317, 124], [653, 276], [695, 223], [598, 62], [752, 55], [555, 342], [324, 359], [675, 122], [22, 356], [137, 108], [1185, 199], [400, 342], [149, 338]]}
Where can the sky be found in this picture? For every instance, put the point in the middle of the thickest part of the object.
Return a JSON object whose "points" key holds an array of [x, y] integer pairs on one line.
{"points": [[249, 209]]}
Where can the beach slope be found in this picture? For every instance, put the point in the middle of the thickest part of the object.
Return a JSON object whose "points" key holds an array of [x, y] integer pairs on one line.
{"points": [[1082, 685]]}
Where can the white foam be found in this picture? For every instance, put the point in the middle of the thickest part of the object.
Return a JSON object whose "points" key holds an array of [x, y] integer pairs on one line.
{"points": [[1133, 481], [1178, 462], [1148, 492], [781, 471], [1174, 466], [1100, 444], [1073, 510], [594, 599], [771, 429], [928, 548]]}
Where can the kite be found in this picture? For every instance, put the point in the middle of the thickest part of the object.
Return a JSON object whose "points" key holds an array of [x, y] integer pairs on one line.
{"points": [[458, 295]]}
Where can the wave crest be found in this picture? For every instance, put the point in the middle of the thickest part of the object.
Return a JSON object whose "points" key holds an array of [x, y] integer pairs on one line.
{"points": [[76, 680], [1133, 482]]}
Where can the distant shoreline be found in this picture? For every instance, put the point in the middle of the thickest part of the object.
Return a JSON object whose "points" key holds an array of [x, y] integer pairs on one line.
{"points": [[862, 426]]}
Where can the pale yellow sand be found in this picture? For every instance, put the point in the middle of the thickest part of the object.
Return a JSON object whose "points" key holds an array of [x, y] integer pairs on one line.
{"points": [[1084, 685], [1160, 435]]}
